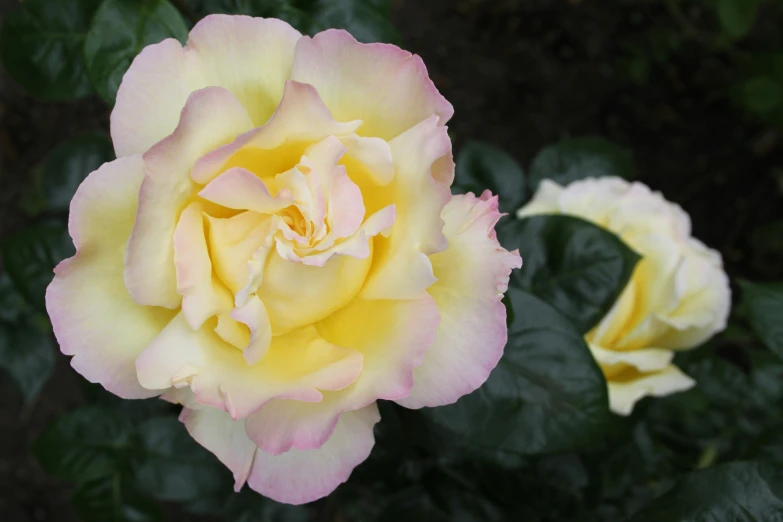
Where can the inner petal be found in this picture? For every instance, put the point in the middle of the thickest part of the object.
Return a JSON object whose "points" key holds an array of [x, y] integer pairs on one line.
{"points": [[296, 294], [232, 243]]}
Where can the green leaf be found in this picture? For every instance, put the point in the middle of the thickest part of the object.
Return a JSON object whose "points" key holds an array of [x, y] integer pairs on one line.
{"points": [[30, 255], [481, 166], [84, 445], [120, 30], [41, 47], [546, 389], [737, 16], [65, 168], [172, 466], [27, 354], [113, 499], [360, 18], [580, 158], [734, 492], [576, 266], [764, 304]]}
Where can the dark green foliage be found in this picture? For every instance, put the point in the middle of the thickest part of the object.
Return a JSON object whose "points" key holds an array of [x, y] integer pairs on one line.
{"points": [[545, 388], [580, 158], [366, 20], [122, 28], [63, 170], [30, 255], [41, 47], [481, 166], [576, 266]]}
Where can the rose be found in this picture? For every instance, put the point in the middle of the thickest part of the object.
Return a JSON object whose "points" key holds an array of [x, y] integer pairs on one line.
{"points": [[276, 247], [678, 295]]}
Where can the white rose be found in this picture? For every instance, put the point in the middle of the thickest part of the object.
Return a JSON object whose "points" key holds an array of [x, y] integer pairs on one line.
{"points": [[677, 297]]}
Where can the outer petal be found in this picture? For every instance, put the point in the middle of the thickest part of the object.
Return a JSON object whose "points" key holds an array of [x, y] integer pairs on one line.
{"points": [[93, 316], [472, 276], [297, 477], [211, 118], [705, 300], [392, 336], [251, 57], [623, 395], [402, 269], [644, 360], [219, 433], [381, 84]]}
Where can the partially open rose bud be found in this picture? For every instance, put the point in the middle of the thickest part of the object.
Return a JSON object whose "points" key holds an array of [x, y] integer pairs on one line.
{"points": [[677, 298], [277, 247]]}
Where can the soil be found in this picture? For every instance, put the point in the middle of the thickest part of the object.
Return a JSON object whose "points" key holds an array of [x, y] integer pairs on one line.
{"points": [[521, 74]]}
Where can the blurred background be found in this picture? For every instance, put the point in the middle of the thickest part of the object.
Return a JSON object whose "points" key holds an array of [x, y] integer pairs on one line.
{"points": [[690, 91]]}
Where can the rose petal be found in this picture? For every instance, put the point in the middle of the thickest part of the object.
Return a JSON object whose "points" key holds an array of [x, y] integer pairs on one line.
{"points": [[218, 53], [381, 84], [93, 316], [254, 315], [219, 433], [392, 337], [203, 295], [473, 274], [240, 189], [300, 119], [644, 360], [402, 268], [150, 273], [298, 477], [233, 241], [623, 395], [296, 366], [295, 477], [296, 294]]}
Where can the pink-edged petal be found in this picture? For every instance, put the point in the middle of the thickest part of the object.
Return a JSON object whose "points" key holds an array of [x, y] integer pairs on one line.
{"points": [[202, 295], [240, 189], [402, 268], [386, 87], [297, 366], [254, 315], [219, 433], [298, 477], [346, 208], [211, 117], [93, 316], [391, 335], [357, 246], [301, 118], [472, 274], [251, 57]]}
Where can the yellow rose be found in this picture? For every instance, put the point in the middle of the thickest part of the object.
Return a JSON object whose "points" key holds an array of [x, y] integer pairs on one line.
{"points": [[277, 247], [677, 298]]}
